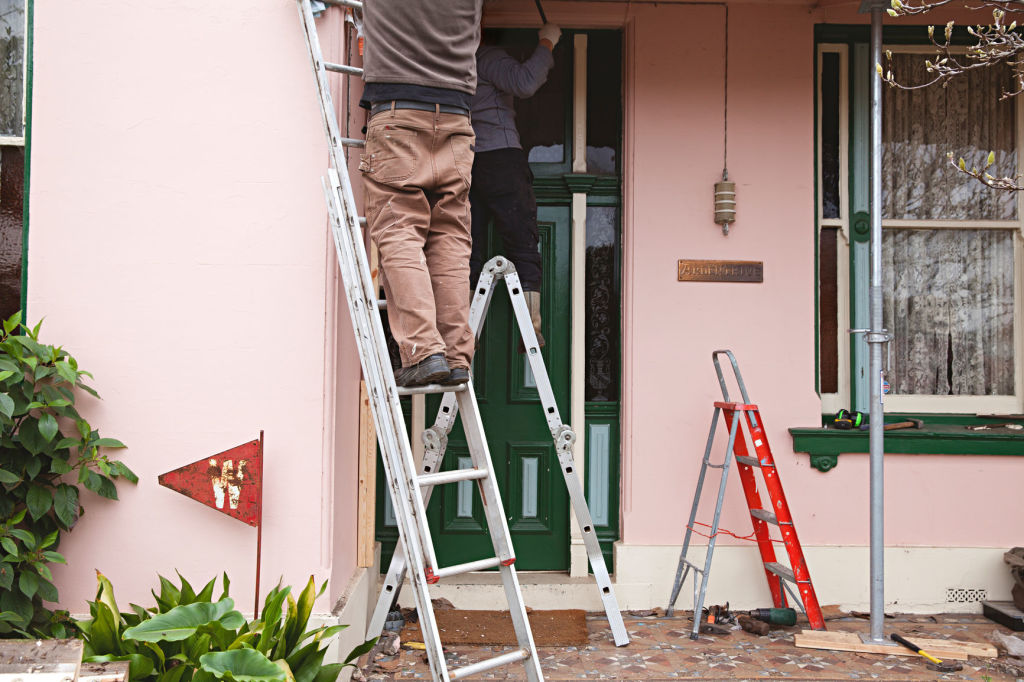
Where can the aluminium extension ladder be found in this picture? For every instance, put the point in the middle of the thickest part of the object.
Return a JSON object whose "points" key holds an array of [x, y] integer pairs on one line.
{"points": [[781, 578], [408, 489], [435, 441]]}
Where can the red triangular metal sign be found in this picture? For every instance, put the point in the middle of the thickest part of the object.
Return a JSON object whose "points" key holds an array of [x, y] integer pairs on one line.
{"points": [[230, 482]]}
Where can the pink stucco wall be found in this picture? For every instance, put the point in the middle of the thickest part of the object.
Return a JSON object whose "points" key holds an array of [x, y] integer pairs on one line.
{"points": [[178, 248], [674, 153]]}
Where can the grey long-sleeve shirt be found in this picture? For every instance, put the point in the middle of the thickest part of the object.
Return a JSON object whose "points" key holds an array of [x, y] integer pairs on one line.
{"points": [[500, 78]]}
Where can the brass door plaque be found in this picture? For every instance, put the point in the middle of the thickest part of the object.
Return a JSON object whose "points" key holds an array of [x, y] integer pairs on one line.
{"points": [[721, 271]]}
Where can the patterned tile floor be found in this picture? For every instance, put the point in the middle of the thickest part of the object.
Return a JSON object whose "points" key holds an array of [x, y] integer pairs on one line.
{"points": [[660, 649]]}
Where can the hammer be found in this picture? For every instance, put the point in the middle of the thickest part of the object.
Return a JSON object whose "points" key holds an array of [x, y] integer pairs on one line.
{"points": [[933, 663], [909, 423]]}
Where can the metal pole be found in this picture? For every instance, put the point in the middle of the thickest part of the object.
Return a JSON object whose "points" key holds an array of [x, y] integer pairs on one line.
{"points": [[875, 338]]}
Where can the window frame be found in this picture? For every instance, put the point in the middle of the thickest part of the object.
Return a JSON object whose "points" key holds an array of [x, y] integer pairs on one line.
{"points": [[853, 393]]}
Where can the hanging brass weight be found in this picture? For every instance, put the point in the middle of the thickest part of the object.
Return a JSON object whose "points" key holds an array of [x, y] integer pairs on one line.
{"points": [[725, 203]]}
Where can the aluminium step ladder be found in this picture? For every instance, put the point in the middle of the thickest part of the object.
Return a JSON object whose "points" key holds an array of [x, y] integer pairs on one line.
{"points": [[781, 578], [404, 484], [435, 441]]}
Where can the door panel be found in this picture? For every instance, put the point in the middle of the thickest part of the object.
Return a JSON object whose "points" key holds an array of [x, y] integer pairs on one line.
{"points": [[533, 494]]}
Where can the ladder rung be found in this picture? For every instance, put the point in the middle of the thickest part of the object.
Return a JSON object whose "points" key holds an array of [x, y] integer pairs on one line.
{"points": [[453, 476], [784, 572], [431, 388], [715, 466], [457, 569], [382, 304], [362, 221], [351, 142], [749, 461], [764, 515], [490, 663], [343, 68], [354, 4], [693, 566]]}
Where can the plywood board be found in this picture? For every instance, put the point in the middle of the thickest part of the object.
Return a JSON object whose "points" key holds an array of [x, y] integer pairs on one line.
{"points": [[50, 660], [112, 671], [851, 641]]}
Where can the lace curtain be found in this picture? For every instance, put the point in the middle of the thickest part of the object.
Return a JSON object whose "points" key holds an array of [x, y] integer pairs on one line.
{"points": [[921, 126], [948, 293]]}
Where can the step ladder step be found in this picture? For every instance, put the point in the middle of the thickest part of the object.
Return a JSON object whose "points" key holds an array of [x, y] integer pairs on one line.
{"points": [[430, 389], [453, 476], [784, 572], [343, 68], [765, 515], [749, 461], [469, 567], [354, 4], [490, 663]]}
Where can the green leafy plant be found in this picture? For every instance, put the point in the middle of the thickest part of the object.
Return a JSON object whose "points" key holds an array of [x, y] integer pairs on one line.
{"points": [[188, 637], [41, 469]]}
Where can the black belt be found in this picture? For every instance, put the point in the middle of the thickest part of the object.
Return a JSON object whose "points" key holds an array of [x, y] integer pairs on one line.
{"points": [[378, 107]]}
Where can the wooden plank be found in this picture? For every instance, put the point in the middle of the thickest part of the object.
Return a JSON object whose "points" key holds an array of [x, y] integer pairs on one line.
{"points": [[49, 660], [851, 641], [113, 671], [367, 504]]}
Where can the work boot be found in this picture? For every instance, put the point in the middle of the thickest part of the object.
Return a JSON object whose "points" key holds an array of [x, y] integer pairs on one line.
{"points": [[459, 376], [533, 305], [432, 369]]}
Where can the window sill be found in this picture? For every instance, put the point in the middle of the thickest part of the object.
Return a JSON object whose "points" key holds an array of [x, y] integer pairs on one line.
{"points": [[941, 435]]}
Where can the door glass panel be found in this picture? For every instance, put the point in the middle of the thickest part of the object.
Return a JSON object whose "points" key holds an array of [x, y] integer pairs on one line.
{"points": [[12, 195], [830, 135], [604, 101], [602, 304], [598, 480], [542, 118], [464, 506], [531, 471], [921, 126], [12, 63], [948, 299]]}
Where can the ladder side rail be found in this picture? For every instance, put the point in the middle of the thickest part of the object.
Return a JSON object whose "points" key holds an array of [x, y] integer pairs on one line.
{"points": [[698, 606], [361, 319], [680, 574], [327, 115], [753, 497], [797, 561], [735, 372], [497, 525]]}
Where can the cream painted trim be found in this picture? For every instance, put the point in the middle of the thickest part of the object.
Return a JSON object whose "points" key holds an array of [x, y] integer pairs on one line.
{"points": [[578, 366], [418, 419], [579, 122], [916, 579], [9, 141], [979, 404], [329, 387], [901, 224]]}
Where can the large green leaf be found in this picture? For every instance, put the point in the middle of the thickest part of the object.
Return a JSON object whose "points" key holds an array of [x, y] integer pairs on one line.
{"points": [[28, 582], [243, 665], [181, 622], [48, 427], [6, 405], [139, 666], [39, 500], [8, 477], [65, 504]]}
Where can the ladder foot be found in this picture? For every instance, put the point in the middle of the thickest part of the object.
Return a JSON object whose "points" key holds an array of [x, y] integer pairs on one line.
{"points": [[432, 579], [508, 562]]}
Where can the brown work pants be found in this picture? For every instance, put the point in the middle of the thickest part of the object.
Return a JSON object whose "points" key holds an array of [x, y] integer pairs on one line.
{"points": [[416, 171]]}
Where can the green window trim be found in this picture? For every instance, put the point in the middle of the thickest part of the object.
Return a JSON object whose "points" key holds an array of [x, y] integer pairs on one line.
{"points": [[942, 434]]}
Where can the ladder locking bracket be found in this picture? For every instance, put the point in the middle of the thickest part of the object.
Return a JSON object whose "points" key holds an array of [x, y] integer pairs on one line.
{"points": [[565, 438], [434, 441]]}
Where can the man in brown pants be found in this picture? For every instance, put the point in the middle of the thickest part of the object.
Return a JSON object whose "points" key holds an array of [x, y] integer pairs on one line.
{"points": [[420, 73]]}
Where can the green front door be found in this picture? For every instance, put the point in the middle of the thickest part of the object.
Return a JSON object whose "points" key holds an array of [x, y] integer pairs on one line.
{"points": [[532, 490]]}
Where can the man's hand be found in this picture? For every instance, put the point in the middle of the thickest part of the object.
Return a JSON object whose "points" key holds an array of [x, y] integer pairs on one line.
{"points": [[549, 35]]}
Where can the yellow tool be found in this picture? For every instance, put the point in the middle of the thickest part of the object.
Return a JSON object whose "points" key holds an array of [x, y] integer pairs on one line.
{"points": [[936, 663]]}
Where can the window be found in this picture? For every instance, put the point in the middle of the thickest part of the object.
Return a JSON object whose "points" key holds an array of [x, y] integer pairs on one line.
{"points": [[13, 33], [952, 248]]}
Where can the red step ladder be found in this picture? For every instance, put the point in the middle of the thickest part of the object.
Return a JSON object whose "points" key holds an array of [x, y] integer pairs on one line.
{"points": [[781, 578]]}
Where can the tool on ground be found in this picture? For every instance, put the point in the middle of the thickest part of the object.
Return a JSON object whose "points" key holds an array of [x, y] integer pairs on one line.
{"points": [[845, 419], [408, 488], [935, 663], [781, 578], [908, 423], [785, 616], [540, 10], [986, 427], [753, 626], [435, 440]]}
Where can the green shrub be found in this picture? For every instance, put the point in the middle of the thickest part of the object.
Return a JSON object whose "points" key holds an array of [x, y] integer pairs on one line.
{"points": [[41, 469], [188, 637]]}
